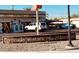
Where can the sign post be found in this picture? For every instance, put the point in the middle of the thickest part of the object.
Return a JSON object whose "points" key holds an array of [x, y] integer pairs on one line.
{"points": [[37, 22], [36, 8]]}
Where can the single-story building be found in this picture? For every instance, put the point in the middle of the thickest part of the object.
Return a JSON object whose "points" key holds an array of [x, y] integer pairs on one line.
{"points": [[15, 20]]}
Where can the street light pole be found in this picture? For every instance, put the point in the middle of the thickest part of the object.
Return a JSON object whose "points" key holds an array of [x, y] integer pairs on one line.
{"points": [[69, 29]]}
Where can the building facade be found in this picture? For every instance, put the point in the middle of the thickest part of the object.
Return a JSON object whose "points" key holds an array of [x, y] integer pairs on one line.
{"points": [[15, 20]]}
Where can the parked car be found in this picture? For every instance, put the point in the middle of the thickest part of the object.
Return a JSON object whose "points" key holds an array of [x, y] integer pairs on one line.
{"points": [[32, 26], [65, 26]]}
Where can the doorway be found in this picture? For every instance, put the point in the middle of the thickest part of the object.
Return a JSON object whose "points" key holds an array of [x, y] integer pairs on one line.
{"points": [[6, 27]]}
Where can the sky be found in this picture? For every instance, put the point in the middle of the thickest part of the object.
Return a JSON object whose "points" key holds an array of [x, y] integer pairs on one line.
{"points": [[53, 11]]}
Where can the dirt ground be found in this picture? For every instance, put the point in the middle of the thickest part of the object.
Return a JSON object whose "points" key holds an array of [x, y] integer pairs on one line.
{"points": [[37, 46]]}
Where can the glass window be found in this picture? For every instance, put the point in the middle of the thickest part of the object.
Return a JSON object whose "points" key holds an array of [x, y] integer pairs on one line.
{"points": [[20, 27], [16, 27]]}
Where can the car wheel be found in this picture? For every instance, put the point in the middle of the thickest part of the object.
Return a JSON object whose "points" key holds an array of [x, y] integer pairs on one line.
{"points": [[26, 29]]}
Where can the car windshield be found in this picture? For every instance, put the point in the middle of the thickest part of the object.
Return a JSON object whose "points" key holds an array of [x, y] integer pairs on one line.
{"points": [[32, 24], [35, 24]]}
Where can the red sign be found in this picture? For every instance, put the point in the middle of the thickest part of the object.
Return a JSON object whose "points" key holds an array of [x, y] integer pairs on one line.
{"points": [[36, 7]]}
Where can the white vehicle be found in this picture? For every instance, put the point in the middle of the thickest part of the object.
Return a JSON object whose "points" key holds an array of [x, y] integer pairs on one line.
{"points": [[32, 26]]}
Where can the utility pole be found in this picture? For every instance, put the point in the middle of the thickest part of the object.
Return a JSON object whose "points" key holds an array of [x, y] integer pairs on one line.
{"points": [[12, 7], [69, 28]]}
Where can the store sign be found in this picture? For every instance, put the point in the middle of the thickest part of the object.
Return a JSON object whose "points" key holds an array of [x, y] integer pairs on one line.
{"points": [[36, 7]]}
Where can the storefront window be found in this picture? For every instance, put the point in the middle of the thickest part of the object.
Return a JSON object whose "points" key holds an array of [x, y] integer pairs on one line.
{"points": [[20, 27], [16, 27]]}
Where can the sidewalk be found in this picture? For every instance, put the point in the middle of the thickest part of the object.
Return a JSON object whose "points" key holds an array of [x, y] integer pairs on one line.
{"points": [[38, 46]]}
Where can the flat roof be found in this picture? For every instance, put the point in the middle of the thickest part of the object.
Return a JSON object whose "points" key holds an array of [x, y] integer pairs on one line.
{"points": [[21, 12]]}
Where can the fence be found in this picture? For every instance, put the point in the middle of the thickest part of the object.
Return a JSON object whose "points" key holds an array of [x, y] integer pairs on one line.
{"points": [[37, 38]]}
